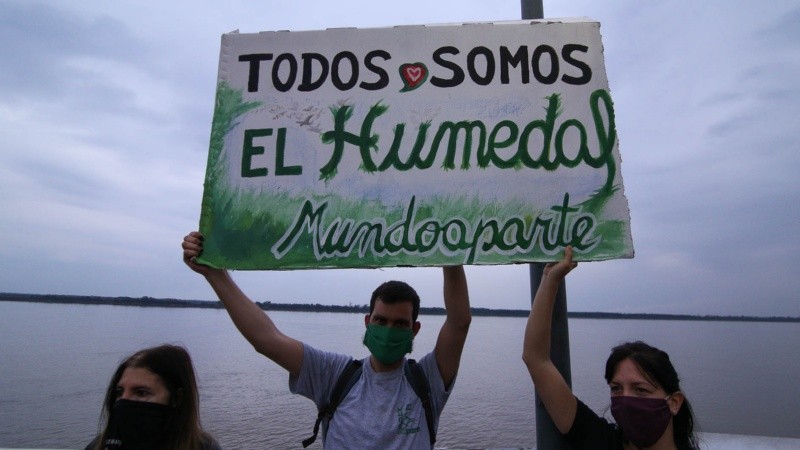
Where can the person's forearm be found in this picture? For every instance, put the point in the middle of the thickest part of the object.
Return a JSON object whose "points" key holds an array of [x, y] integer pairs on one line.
{"points": [[536, 345], [249, 318], [255, 325], [453, 334], [456, 297]]}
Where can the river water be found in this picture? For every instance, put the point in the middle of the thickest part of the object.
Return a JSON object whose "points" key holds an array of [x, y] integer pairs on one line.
{"points": [[55, 361]]}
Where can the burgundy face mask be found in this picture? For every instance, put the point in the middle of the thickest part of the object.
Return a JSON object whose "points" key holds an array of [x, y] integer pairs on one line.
{"points": [[642, 420]]}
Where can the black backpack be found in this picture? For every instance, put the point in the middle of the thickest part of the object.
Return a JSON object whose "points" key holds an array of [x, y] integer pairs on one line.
{"points": [[352, 372]]}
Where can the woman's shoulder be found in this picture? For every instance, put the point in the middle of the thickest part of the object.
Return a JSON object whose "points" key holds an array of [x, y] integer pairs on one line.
{"points": [[92, 444], [590, 431], [209, 443]]}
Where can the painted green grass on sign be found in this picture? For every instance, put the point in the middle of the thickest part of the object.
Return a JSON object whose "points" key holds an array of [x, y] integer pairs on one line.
{"points": [[251, 229]]}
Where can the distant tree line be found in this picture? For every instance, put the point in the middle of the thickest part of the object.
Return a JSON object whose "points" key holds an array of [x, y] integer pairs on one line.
{"points": [[148, 302]]}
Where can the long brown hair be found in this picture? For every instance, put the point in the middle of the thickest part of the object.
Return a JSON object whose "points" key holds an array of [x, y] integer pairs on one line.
{"points": [[173, 365]]}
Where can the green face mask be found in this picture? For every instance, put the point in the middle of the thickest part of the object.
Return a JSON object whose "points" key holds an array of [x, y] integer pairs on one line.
{"points": [[388, 344]]}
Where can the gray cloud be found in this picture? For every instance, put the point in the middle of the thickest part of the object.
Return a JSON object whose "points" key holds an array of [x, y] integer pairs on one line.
{"points": [[40, 41], [106, 111]]}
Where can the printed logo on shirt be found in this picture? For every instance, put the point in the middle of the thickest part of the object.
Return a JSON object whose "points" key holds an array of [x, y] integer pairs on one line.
{"points": [[405, 423]]}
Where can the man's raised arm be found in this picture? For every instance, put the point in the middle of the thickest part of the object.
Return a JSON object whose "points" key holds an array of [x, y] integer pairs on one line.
{"points": [[453, 334], [254, 324]]}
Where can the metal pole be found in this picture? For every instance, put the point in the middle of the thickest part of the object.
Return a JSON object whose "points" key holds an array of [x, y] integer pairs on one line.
{"points": [[532, 9], [547, 435]]}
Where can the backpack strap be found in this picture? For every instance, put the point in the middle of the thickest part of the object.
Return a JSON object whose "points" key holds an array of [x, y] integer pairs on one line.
{"points": [[417, 379], [348, 377]]}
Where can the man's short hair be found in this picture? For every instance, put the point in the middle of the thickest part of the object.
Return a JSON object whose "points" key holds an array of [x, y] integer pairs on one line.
{"points": [[396, 292]]}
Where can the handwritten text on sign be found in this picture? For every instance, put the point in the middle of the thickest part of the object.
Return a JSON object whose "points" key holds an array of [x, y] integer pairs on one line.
{"points": [[418, 145]]}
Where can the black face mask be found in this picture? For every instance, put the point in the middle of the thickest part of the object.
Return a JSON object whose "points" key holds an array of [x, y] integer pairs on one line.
{"points": [[137, 425]]}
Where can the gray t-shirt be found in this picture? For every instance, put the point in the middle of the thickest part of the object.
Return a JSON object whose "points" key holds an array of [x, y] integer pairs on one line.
{"points": [[380, 412]]}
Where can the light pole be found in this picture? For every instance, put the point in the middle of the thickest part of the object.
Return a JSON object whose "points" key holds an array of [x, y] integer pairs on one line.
{"points": [[547, 435]]}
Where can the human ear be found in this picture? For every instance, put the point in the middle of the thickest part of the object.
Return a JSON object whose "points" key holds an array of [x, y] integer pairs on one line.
{"points": [[675, 401], [415, 328]]}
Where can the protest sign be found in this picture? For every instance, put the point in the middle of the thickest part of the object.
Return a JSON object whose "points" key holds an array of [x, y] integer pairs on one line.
{"points": [[482, 143]]}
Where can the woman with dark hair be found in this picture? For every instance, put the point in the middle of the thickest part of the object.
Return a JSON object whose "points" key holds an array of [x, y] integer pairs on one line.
{"points": [[647, 404], [152, 403]]}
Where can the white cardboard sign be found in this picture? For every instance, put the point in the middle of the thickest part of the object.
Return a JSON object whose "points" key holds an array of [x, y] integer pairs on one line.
{"points": [[484, 143]]}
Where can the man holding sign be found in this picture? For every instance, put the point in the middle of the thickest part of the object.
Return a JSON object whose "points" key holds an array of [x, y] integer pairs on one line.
{"points": [[382, 409], [441, 145]]}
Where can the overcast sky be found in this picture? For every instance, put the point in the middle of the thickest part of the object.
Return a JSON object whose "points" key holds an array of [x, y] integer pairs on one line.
{"points": [[105, 115]]}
